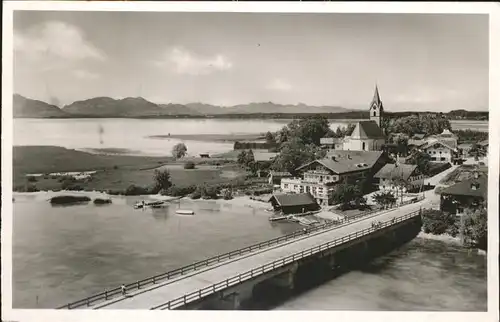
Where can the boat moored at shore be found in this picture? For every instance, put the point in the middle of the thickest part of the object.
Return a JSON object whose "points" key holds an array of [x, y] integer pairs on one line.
{"points": [[184, 212]]}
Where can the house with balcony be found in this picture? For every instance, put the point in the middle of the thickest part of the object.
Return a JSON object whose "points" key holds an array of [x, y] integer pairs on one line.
{"points": [[467, 194], [441, 150], [320, 177], [399, 178]]}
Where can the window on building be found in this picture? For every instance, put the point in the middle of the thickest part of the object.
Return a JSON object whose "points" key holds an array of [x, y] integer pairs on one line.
{"points": [[364, 144], [286, 185], [374, 113]]}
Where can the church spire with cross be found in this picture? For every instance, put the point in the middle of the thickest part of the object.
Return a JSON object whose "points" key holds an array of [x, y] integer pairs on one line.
{"points": [[376, 108]]}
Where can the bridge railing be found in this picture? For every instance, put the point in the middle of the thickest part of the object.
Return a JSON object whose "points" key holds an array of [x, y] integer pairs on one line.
{"points": [[188, 298], [111, 293]]}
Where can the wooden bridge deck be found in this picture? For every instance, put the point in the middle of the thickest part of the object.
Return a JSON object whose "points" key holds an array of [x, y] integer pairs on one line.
{"points": [[157, 295]]}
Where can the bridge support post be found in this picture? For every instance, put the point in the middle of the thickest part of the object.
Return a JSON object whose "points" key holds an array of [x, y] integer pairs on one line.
{"points": [[286, 279], [332, 262], [236, 301], [227, 302]]}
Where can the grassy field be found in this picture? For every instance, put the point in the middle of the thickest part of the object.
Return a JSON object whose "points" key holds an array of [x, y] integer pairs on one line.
{"points": [[114, 172]]}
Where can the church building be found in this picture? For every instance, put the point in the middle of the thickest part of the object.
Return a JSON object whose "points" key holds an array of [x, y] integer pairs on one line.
{"points": [[368, 135]]}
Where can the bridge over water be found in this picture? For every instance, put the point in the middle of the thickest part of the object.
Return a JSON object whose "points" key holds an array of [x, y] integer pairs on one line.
{"points": [[226, 281]]}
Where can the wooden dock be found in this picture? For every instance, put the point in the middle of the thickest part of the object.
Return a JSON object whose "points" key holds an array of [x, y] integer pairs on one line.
{"points": [[291, 216]]}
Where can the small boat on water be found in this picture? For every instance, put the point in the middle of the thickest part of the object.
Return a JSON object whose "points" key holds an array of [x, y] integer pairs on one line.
{"points": [[151, 204], [184, 212]]}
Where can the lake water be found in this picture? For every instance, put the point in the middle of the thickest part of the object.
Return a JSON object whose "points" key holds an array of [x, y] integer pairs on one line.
{"points": [[423, 275], [62, 254], [133, 135], [65, 253]]}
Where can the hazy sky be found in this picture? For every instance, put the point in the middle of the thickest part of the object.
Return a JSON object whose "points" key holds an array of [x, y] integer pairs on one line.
{"points": [[420, 62]]}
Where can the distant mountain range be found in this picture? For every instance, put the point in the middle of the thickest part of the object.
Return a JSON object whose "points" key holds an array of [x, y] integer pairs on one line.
{"points": [[138, 107], [25, 107]]}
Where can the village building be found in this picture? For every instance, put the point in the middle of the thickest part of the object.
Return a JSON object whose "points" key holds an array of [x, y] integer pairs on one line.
{"points": [[399, 178], [367, 135], [319, 177], [441, 150], [418, 136], [332, 143], [293, 203], [446, 135], [262, 158], [464, 149], [484, 145], [467, 194], [416, 143], [276, 176]]}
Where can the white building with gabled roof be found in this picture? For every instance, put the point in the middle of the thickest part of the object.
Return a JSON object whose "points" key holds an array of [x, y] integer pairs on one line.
{"points": [[367, 135], [441, 150]]}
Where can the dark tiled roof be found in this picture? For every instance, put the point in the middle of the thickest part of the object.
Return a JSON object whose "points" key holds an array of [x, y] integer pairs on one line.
{"points": [[347, 161], [367, 130], [295, 199], [449, 143], [416, 142], [464, 188], [391, 171]]}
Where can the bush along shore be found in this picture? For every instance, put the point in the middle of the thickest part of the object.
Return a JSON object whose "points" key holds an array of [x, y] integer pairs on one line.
{"points": [[470, 229], [64, 200]]}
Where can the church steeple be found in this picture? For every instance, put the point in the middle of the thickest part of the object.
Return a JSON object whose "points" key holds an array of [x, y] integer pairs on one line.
{"points": [[376, 108]]}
